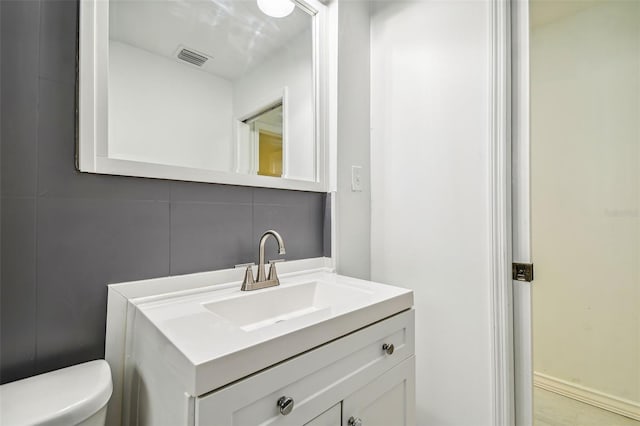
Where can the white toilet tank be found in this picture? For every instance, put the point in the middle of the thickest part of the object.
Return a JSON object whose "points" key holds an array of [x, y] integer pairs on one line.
{"points": [[76, 395]]}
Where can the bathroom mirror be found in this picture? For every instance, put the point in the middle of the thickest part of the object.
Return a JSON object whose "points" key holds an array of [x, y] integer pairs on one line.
{"points": [[223, 91]]}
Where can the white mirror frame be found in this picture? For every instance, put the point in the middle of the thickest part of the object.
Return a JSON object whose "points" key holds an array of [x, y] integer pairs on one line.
{"points": [[92, 120]]}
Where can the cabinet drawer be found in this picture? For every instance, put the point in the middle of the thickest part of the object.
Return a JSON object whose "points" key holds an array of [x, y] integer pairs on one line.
{"points": [[316, 380]]}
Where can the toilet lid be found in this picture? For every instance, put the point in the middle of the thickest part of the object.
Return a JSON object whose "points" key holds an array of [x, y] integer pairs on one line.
{"points": [[62, 397]]}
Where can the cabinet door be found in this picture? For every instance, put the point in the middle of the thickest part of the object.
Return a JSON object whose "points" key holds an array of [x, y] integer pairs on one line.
{"points": [[389, 400], [331, 417]]}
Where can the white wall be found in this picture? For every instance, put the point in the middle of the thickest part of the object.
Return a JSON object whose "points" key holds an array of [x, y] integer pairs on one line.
{"points": [[353, 209], [585, 86], [291, 67], [165, 112], [429, 198]]}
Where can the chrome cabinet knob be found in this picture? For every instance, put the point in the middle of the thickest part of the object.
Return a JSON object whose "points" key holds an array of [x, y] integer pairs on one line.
{"points": [[285, 404], [388, 348], [354, 421]]}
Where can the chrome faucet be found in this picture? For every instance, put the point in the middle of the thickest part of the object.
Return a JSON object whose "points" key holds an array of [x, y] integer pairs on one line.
{"points": [[264, 281]]}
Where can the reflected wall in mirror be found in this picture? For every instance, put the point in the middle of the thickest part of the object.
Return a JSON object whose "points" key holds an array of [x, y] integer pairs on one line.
{"points": [[203, 90]]}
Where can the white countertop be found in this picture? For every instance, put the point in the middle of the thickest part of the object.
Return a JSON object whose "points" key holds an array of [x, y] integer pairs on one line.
{"points": [[212, 336]]}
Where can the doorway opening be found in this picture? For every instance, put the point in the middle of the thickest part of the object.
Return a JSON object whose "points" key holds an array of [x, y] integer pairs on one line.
{"points": [[584, 65]]}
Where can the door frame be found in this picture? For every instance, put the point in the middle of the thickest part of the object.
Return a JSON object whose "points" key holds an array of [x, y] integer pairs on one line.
{"points": [[521, 211], [510, 213]]}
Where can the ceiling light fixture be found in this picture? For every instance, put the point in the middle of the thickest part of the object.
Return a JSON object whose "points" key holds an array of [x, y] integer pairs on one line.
{"points": [[276, 8]]}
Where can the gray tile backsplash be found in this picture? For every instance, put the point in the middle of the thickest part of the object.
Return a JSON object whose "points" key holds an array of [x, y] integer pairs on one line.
{"points": [[66, 235], [193, 192], [207, 236], [19, 87], [82, 245], [300, 226], [57, 42], [18, 291]]}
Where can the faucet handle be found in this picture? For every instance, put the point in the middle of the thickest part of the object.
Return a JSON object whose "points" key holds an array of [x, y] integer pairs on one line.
{"points": [[248, 277], [273, 274], [244, 265]]}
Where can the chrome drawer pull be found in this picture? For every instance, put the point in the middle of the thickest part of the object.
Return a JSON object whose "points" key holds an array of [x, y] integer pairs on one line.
{"points": [[285, 404], [388, 348], [355, 421]]}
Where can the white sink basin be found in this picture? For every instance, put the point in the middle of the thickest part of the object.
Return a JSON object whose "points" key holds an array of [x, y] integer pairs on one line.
{"points": [[213, 334], [258, 309]]}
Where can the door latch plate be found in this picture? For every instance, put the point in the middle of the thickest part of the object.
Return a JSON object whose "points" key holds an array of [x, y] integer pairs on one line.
{"points": [[522, 271]]}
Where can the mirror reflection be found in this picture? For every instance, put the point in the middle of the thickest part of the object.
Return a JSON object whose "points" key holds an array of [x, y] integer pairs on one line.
{"points": [[265, 136], [216, 85]]}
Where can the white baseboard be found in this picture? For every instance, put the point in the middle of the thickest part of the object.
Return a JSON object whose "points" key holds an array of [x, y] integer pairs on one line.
{"points": [[589, 396]]}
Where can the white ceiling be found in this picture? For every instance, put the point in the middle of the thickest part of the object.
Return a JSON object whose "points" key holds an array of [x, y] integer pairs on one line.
{"points": [[234, 33]]}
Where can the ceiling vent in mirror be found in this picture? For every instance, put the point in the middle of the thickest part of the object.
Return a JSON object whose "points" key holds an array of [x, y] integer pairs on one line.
{"points": [[194, 58]]}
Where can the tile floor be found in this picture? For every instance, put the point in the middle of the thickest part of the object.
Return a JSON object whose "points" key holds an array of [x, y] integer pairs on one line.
{"points": [[551, 409]]}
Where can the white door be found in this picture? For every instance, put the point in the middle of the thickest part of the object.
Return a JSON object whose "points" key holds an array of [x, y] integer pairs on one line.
{"points": [[387, 401], [521, 221]]}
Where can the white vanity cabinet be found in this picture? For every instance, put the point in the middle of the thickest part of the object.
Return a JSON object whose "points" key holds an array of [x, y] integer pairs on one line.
{"points": [[350, 377], [318, 349]]}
